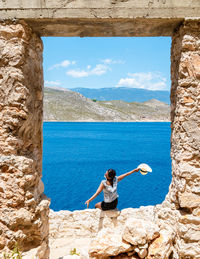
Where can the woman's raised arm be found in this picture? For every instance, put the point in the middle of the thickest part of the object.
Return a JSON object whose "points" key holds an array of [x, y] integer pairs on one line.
{"points": [[122, 176], [99, 190]]}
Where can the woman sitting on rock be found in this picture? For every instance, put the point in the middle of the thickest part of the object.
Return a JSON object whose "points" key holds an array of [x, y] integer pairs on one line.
{"points": [[109, 187]]}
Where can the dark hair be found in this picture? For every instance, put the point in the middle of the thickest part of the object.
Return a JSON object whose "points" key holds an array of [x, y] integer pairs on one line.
{"points": [[111, 175]]}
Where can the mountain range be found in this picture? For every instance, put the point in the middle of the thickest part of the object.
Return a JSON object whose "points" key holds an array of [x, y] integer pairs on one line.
{"points": [[124, 94], [67, 105]]}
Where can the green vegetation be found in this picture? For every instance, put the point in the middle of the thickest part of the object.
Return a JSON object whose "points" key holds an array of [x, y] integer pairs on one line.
{"points": [[74, 252], [15, 254]]}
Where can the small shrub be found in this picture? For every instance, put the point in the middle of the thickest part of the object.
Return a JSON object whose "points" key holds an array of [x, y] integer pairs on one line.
{"points": [[94, 100], [15, 254], [74, 252]]}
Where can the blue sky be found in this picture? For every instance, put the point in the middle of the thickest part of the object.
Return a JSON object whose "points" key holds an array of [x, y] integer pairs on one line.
{"points": [[107, 62]]}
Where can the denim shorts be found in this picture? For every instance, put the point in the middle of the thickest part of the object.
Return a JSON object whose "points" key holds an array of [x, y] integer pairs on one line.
{"points": [[109, 205]]}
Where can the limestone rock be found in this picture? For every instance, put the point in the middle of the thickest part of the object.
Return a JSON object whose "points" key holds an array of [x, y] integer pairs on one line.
{"points": [[139, 232], [2, 242], [142, 253], [23, 217], [108, 243], [161, 247], [40, 252], [189, 200], [125, 256], [76, 229], [77, 223], [190, 66], [81, 222], [189, 228], [71, 257], [146, 213], [185, 117], [24, 209], [187, 250]]}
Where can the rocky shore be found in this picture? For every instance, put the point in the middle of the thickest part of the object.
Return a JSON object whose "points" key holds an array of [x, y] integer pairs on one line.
{"points": [[148, 232]]}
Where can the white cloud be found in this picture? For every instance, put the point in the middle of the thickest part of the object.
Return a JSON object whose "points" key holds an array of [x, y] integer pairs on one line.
{"points": [[111, 61], [51, 83], [107, 61], [128, 82], [64, 63], [77, 73], [142, 76], [98, 70], [149, 80]]}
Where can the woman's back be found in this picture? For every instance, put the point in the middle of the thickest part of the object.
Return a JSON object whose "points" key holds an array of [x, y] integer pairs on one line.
{"points": [[109, 187], [110, 192]]}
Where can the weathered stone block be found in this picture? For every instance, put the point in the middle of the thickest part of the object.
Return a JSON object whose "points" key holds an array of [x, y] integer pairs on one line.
{"points": [[140, 232], [161, 247], [108, 243], [21, 79], [189, 200]]}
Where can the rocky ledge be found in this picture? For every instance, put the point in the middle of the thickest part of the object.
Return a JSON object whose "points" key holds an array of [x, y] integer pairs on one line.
{"points": [[148, 232], [151, 232]]}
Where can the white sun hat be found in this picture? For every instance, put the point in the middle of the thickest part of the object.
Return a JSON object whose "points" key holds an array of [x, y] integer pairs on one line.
{"points": [[144, 169]]}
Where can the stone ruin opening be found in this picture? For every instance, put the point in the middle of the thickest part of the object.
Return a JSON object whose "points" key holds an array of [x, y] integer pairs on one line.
{"points": [[24, 211], [58, 185]]}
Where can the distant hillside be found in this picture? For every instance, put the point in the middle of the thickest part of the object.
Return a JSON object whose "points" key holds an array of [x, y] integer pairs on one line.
{"points": [[66, 105], [124, 94]]}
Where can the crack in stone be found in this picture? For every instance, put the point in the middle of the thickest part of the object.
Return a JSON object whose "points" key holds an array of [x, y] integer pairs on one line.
{"points": [[92, 11], [66, 2], [118, 1]]}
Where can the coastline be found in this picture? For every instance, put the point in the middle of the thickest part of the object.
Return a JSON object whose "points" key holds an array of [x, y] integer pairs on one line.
{"points": [[93, 121]]}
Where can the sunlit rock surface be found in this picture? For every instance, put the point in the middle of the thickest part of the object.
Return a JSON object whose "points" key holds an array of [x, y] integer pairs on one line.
{"points": [[130, 233], [23, 206]]}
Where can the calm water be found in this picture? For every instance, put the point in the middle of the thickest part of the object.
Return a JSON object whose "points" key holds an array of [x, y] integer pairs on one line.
{"points": [[76, 156]]}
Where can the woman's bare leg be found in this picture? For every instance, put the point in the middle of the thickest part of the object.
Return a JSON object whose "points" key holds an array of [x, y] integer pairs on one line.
{"points": [[98, 205]]}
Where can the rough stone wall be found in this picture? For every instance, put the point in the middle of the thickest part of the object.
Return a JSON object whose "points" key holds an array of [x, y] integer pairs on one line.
{"points": [[23, 206], [184, 191], [142, 233], [106, 18]]}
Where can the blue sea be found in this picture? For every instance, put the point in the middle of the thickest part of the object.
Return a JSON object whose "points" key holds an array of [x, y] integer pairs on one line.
{"points": [[76, 156]]}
